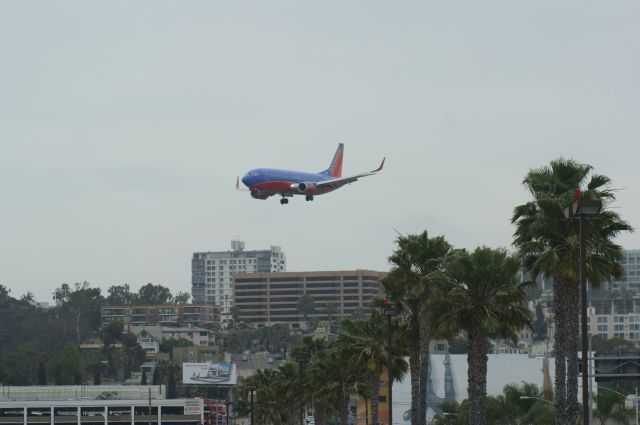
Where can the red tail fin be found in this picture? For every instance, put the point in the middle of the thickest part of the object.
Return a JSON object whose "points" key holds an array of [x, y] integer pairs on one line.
{"points": [[335, 169]]}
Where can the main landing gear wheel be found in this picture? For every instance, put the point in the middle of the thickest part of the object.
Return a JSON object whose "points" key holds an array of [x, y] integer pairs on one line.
{"points": [[284, 201], [309, 197]]}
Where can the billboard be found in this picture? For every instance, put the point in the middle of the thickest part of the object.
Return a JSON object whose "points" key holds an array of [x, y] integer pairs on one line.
{"points": [[209, 373]]}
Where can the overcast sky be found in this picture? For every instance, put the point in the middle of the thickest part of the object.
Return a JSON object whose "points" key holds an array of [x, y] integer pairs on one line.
{"points": [[123, 126]]}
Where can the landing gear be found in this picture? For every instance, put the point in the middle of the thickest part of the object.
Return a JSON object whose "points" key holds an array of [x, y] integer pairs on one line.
{"points": [[284, 201], [309, 197]]}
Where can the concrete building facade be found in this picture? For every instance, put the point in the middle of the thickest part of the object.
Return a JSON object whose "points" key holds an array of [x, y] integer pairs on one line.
{"points": [[162, 315], [619, 318], [271, 298], [212, 272], [630, 280]]}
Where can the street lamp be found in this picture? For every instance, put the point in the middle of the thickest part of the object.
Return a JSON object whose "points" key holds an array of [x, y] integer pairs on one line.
{"points": [[584, 209], [389, 310], [635, 401], [251, 387], [527, 397], [226, 408]]}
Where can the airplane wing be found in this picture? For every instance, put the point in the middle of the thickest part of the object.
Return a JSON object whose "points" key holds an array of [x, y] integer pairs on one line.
{"points": [[337, 182]]}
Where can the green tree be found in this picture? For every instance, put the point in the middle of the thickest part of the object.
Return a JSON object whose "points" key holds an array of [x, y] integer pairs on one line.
{"points": [[330, 309], [609, 406], [333, 378], [601, 344], [155, 379], [67, 365], [306, 306], [19, 364], [120, 295], [182, 298], [154, 294], [549, 244], [418, 265], [168, 344], [366, 341], [171, 385], [112, 332], [80, 310], [483, 299], [143, 381], [539, 325], [42, 375], [278, 395]]}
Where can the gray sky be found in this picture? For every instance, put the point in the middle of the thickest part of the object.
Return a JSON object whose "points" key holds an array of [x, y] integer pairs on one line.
{"points": [[123, 126]]}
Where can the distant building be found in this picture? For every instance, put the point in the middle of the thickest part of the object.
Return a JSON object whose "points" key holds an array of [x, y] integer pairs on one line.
{"points": [[196, 354], [148, 343], [630, 280], [195, 334], [211, 272], [271, 298], [162, 315], [619, 318]]}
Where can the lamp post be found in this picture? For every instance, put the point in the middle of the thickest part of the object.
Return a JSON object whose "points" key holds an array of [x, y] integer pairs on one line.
{"points": [[251, 387], [389, 310], [301, 359], [635, 401], [528, 397], [226, 408], [583, 209]]}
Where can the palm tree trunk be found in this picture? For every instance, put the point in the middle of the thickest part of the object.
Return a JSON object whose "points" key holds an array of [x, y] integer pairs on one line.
{"points": [[425, 338], [573, 324], [414, 369], [343, 406], [477, 376], [375, 396], [318, 414], [560, 294]]}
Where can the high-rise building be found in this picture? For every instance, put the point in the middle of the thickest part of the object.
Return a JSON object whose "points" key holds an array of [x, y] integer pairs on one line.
{"points": [[630, 279], [211, 272], [295, 298]]}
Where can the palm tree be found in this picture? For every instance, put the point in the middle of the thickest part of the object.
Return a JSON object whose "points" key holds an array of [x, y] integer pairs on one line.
{"points": [[484, 299], [330, 309], [418, 264], [366, 340], [333, 378], [610, 406], [549, 244], [306, 306]]}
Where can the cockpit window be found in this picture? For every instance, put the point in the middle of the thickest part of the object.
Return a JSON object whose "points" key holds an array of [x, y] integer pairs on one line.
{"points": [[252, 173]]}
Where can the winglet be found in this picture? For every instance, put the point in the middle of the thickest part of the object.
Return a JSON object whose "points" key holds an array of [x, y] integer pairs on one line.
{"points": [[381, 165]]}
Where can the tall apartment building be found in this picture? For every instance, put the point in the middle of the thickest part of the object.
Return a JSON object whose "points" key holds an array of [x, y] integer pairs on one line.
{"points": [[271, 298], [630, 280], [212, 272]]}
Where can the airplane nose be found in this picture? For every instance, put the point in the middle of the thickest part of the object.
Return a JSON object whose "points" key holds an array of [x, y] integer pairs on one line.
{"points": [[245, 180]]}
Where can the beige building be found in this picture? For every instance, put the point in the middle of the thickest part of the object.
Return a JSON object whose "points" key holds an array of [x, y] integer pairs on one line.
{"points": [[619, 318], [271, 298], [162, 315]]}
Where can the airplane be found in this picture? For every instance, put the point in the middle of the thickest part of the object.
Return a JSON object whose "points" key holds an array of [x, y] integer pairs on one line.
{"points": [[265, 182]]}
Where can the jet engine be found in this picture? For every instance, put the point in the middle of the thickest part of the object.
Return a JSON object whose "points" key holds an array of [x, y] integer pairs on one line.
{"points": [[303, 187], [259, 195]]}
